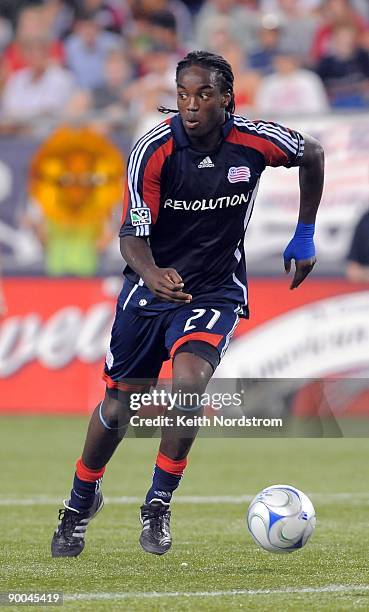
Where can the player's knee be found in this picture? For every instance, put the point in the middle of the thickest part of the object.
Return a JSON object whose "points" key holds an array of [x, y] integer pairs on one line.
{"points": [[190, 381], [189, 384], [114, 414], [191, 373]]}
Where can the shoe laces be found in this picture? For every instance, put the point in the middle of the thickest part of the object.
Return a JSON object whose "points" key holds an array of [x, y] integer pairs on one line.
{"points": [[69, 520], [159, 518]]}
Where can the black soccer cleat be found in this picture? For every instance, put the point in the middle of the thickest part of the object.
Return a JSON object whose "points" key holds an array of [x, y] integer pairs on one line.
{"points": [[69, 537], [155, 519]]}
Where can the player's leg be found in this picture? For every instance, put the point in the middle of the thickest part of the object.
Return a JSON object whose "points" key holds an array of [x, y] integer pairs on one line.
{"points": [[195, 357], [191, 374], [107, 427], [134, 353]]}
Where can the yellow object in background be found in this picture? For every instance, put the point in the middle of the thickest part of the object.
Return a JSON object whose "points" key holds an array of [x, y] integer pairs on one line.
{"points": [[76, 177]]}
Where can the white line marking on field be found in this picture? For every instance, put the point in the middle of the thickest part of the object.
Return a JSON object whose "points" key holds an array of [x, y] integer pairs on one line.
{"points": [[321, 498], [331, 588]]}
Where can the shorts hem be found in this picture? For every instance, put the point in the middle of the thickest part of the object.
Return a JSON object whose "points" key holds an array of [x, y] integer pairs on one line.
{"points": [[125, 386]]}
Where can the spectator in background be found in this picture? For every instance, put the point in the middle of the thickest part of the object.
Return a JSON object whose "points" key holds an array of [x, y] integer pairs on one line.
{"points": [[163, 31], [156, 88], [194, 5], [220, 34], [267, 47], [117, 77], [59, 18], [9, 10], [31, 24], [156, 30], [110, 15], [335, 13], [42, 88], [362, 7], [144, 9], [244, 23], [291, 89], [298, 27], [345, 70], [357, 268], [6, 33], [110, 97], [86, 50], [247, 81]]}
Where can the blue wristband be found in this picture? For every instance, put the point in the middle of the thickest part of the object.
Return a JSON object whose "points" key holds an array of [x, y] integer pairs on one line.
{"points": [[302, 244]]}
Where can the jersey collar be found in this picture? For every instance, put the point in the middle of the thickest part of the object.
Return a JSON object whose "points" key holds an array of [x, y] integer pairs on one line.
{"points": [[180, 137]]}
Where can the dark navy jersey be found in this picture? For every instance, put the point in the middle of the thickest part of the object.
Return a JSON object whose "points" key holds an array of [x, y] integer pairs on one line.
{"points": [[193, 207]]}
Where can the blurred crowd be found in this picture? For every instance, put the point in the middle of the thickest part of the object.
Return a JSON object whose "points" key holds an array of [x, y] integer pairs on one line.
{"points": [[77, 58]]}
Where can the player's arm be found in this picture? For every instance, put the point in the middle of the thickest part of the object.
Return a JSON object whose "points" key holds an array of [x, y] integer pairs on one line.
{"points": [[165, 283], [311, 179], [142, 196]]}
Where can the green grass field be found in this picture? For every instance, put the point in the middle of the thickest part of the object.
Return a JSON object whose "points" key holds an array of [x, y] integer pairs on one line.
{"points": [[213, 564]]}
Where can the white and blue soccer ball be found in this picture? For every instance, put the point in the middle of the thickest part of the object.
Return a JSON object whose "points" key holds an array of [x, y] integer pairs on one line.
{"points": [[281, 519]]}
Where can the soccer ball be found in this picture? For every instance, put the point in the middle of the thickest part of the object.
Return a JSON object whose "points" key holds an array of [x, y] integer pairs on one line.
{"points": [[281, 519]]}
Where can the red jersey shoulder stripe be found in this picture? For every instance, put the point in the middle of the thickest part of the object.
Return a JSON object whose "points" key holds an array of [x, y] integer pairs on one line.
{"points": [[284, 135], [151, 177], [278, 144], [274, 156], [135, 166]]}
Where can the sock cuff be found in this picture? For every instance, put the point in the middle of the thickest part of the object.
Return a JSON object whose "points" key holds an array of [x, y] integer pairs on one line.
{"points": [[173, 466], [85, 473]]}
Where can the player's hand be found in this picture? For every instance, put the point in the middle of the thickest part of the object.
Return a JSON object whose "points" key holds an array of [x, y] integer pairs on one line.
{"points": [[166, 284], [303, 268], [301, 250]]}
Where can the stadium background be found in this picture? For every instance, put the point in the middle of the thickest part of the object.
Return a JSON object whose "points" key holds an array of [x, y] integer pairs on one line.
{"points": [[54, 324], [112, 63]]}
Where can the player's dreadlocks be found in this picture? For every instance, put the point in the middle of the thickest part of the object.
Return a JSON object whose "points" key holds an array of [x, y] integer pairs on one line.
{"points": [[213, 62]]}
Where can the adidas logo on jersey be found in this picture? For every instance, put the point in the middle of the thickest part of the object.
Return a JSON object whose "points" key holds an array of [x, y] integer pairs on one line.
{"points": [[206, 163]]}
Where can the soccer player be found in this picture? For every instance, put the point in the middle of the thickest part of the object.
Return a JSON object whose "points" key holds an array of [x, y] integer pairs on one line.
{"points": [[191, 188]]}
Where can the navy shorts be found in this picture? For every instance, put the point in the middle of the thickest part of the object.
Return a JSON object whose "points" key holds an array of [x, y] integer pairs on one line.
{"points": [[144, 335]]}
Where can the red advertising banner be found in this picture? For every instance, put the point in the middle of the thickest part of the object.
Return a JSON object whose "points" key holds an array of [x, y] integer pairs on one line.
{"points": [[56, 332], [52, 344]]}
